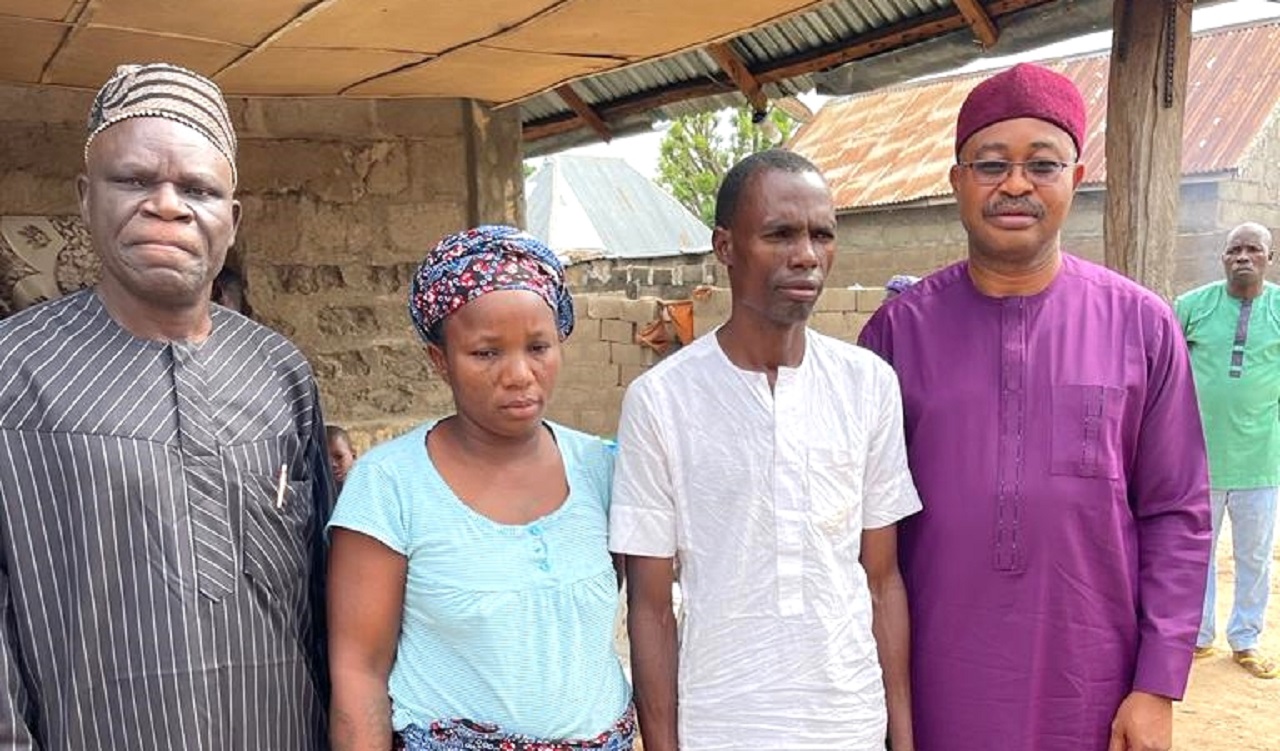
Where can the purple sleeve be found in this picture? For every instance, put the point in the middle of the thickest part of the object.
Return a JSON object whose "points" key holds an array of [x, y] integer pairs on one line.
{"points": [[1169, 493]]}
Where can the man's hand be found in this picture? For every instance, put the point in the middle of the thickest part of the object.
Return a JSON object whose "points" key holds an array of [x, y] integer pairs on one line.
{"points": [[1144, 722]]}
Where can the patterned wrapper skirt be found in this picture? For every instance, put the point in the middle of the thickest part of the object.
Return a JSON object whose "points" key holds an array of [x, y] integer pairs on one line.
{"points": [[466, 735]]}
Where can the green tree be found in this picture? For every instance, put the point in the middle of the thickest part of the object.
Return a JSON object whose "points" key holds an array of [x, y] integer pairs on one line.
{"points": [[699, 149]]}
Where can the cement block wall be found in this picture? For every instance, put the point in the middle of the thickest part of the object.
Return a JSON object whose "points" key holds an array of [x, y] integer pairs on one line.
{"points": [[671, 278], [876, 244], [839, 313], [341, 200], [1254, 195], [601, 358]]}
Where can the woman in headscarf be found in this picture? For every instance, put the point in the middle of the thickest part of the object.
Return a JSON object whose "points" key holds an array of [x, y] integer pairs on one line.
{"points": [[471, 592]]}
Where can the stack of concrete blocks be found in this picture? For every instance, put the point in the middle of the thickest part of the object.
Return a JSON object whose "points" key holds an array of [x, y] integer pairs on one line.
{"points": [[668, 278], [601, 359], [839, 313]]}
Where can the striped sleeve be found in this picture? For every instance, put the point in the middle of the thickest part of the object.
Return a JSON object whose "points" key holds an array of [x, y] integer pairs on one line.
{"points": [[322, 498]]}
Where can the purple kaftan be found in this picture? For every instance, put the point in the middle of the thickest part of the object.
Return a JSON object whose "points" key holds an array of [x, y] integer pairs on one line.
{"points": [[1061, 556]]}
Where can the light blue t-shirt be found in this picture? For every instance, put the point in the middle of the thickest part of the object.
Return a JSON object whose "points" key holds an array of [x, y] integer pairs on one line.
{"points": [[508, 624]]}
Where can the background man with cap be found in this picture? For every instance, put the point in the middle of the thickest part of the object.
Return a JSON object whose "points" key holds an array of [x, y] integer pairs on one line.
{"points": [[1233, 332], [163, 480], [1056, 573], [897, 284]]}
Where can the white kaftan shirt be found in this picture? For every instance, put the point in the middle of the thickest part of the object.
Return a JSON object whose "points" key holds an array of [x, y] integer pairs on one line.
{"points": [[763, 496]]}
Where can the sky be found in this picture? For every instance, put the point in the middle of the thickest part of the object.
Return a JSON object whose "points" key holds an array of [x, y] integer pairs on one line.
{"points": [[641, 150]]}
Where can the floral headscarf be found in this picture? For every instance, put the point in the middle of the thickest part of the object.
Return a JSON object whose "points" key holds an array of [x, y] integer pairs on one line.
{"points": [[486, 259]]}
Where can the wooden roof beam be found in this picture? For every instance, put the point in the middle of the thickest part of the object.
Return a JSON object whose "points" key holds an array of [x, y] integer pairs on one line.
{"points": [[892, 37], [568, 122], [736, 69], [584, 111], [983, 27]]}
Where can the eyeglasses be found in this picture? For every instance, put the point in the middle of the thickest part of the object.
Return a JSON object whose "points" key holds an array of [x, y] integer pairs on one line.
{"points": [[996, 171]]}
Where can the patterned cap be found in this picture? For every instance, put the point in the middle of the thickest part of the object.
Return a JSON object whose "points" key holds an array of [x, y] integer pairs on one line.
{"points": [[168, 91], [899, 283], [1025, 90], [478, 261]]}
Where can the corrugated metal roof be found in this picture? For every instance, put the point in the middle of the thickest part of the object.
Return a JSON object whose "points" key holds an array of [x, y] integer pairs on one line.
{"points": [[824, 27], [603, 206], [1233, 89], [827, 24], [896, 145]]}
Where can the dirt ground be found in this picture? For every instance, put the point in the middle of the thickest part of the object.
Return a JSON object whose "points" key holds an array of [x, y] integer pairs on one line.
{"points": [[1225, 708]]}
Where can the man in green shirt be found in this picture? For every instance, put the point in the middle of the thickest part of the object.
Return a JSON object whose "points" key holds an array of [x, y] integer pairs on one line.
{"points": [[1232, 329]]}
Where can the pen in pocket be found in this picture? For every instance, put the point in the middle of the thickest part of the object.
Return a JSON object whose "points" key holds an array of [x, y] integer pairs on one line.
{"points": [[284, 477]]}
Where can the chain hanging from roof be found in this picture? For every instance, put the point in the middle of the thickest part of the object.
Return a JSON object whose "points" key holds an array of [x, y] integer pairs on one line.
{"points": [[1170, 49]]}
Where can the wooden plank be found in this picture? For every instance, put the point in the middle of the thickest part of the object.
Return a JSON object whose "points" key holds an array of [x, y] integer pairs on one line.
{"points": [[736, 69], [1145, 96], [79, 16], [584, 111], [311, 11], [983, 27], [558, 124]]}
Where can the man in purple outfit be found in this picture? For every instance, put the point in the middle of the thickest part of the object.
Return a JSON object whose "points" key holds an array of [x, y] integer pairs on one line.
{"points": [[1056, 574]]}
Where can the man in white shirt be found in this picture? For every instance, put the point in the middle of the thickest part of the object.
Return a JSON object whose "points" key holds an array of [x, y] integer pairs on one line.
{"points": [[770, 460]]}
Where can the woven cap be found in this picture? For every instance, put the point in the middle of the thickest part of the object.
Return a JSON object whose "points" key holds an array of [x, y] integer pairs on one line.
{"points": [[168, 91], [1024, 90]]}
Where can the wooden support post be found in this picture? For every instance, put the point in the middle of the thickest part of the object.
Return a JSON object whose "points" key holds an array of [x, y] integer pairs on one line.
{"points": [[1145, 96]]}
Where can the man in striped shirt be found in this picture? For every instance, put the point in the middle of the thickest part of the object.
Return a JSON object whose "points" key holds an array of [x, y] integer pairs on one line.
{"points": [[163, 474]]}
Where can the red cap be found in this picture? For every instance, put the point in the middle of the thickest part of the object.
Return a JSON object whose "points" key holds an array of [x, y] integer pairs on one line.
{"points": [[1024, 90]]}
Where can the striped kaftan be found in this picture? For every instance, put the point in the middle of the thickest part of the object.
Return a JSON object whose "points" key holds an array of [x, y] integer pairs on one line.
{"points": [[160, 587]]}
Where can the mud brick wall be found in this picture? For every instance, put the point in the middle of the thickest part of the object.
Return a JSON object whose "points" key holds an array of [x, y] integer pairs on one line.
{"points": [[341, 200], [44, 248]]}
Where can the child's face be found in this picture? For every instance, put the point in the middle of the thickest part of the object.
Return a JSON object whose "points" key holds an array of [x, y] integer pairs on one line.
{"points": [[341, 457]]}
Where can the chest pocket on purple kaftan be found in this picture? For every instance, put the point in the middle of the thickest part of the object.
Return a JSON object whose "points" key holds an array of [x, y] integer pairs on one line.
{"points": [[1087, 421]]}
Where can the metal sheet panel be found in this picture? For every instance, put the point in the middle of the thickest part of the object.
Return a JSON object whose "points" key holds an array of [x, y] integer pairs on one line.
{"points": [[603, 205], [895, 145]]}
